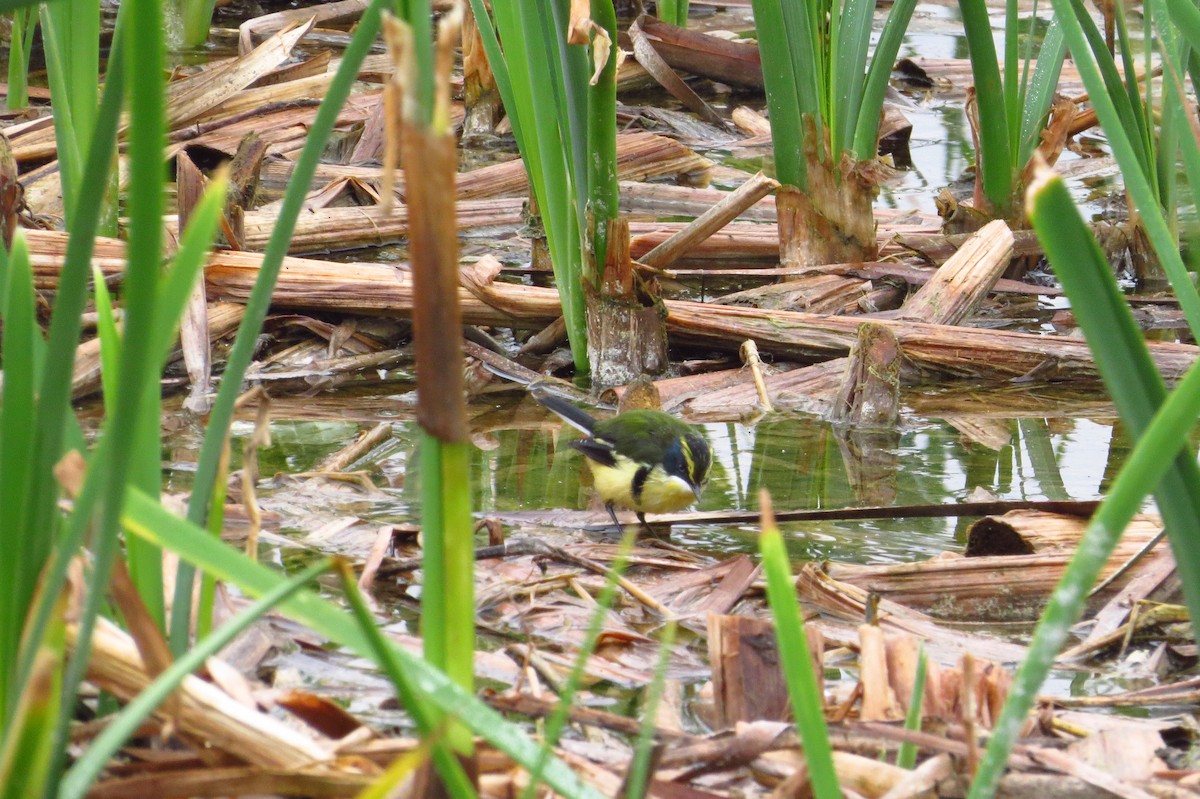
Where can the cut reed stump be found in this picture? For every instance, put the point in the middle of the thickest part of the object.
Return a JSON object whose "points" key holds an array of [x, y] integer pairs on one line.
{"points": [[480, 95], [830, 220], [627, 336], [870, 393]]}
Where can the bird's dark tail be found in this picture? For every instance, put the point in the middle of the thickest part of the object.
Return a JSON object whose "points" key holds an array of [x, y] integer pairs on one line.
{"points": [[566, 409]]}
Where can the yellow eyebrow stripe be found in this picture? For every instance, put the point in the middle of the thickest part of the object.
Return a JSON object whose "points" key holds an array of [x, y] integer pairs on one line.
{"points": [[688, 459]]}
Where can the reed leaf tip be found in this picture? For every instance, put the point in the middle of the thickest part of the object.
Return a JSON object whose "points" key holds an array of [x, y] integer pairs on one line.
{"points": [[1042, 176]]}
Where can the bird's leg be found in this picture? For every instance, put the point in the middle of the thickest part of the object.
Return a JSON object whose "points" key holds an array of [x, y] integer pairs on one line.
{"points": [[612, 513], [650, 531]]}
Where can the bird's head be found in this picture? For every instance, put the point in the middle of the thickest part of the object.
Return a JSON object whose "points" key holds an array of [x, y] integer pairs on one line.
{"points": [[688, 458]]}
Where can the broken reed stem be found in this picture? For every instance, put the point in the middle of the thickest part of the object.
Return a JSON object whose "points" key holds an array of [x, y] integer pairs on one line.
{"points": [[430, 162], [712, 220], [749, 353]]}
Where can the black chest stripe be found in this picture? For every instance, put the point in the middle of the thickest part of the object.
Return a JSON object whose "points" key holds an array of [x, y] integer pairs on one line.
{"points": [[639, 482]]}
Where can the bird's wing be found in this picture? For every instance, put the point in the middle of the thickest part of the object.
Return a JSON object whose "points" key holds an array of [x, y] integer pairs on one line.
{"points": [[598, 450]]}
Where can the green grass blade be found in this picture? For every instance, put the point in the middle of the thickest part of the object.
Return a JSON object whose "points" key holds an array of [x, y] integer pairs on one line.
{"points": [[850, 40], [540, 101], [145, 562], [495, 57], [24, 21], [109, 334], [673, 12], [434, 599], [601, 166], [798, 670], [18, 552], [1039, 93], [783, 93], [55, 421], [1012, 94], [56, 45], [557, 721], [1179, 21], [27, 739], [1087, 45], [994, 155], [197, 20], [573, 97], [113, 466], [907, 756], [1138, 391], [1140, 106], [54, 407], [866, 131], [639, 768], [1081, 34]]}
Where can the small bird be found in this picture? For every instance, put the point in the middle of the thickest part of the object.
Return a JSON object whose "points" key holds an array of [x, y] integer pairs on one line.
{"points": [[644, 460]]}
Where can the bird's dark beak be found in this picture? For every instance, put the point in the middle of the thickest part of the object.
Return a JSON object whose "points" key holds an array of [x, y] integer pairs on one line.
{"points": [[696, 490]]}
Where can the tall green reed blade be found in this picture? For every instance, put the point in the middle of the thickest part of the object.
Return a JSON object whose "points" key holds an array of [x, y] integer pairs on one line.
{"points": [[674, 12], [1011, 110], [176, 290], [1037, 92], [850, 39], [566, 133], [798, 670], [259, 303], [994, 152], [110, 467], [71, 40], [36, 519], [866, 130], [28, 736], [24, 20], [430, 157], [1161, 423], [790, 96], [22, 356], [600, 155], [1119, 121], [149, 519], [637, 779], [145, 562], [1178, 27], [816, 66], [190, 21], [906, 757]]}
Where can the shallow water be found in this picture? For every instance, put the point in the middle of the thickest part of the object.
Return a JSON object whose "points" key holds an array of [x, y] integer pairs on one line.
{"points": [[524, 463]]}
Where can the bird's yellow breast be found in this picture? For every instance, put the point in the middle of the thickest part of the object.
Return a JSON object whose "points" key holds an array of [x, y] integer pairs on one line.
{"points": [[661, 493]]}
